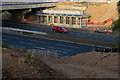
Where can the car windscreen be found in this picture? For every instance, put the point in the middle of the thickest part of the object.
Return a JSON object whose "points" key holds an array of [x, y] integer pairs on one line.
{"points": [[63, 28]]}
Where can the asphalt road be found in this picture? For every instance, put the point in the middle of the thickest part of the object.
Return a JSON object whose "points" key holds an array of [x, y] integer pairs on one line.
{"points": [[78, 34], [63, 48]]}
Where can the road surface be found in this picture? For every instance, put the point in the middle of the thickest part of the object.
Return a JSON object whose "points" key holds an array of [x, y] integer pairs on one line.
{"points": [[63, 48], [76, 34]]}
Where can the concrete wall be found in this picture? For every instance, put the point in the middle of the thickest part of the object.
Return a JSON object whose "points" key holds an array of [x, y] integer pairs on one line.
{"points": [[18, 15], [5, 16]]}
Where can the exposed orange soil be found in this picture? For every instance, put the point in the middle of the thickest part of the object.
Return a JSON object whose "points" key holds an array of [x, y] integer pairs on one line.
{"points": [[102, 12]]}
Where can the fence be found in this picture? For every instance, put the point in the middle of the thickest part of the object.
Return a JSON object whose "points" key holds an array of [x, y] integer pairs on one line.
{"points": [[113, 50], [43, 53], [99, 23], [26, 20], [38, 53]]}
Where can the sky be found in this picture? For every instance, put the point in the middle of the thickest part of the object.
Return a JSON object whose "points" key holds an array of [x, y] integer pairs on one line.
{"points": [[29, 0], [45, 0]]}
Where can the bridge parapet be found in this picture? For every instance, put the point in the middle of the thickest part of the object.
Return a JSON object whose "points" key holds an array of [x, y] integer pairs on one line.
{"points": [[11, 6]]}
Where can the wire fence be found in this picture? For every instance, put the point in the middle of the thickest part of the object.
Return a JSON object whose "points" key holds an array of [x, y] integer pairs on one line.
{"points": [[38, 53]]}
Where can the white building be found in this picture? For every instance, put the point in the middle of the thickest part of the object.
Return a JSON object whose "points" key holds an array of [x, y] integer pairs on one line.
{"points": [[67, 18]]}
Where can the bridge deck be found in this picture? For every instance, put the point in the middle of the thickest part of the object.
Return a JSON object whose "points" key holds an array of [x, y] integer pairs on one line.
{"points": [[25, 5], [22, 3]]}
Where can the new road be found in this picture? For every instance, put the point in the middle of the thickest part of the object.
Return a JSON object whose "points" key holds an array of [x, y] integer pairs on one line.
{"points": [[63, 48], [74, 34]]}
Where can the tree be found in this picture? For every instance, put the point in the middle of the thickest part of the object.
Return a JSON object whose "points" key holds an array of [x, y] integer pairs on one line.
{"points": [[117, 26], [117, 23], [118, 4]]}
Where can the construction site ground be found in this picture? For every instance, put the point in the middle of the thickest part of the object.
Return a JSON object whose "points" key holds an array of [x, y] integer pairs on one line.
{"points": [[98, 13], [16, 64], [86, 65]]}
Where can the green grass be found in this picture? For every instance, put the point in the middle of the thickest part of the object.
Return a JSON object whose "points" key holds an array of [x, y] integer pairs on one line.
{"points": [[4, 46]]}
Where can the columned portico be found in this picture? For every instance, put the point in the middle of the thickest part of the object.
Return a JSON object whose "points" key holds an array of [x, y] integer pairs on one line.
{"points": [[52, 19], [58, 19], [67, 20]]}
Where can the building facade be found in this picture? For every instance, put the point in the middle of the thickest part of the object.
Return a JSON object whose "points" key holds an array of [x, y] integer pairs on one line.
{"points": [[66, 18]]}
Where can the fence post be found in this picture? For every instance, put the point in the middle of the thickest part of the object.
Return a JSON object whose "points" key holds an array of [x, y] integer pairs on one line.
{"points": [[48, 54], [93, 49], [111, 50]]}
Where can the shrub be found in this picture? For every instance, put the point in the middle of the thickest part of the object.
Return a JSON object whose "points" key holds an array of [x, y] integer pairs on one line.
{"points": [[116, 25], [5, 46], [118, 4]]}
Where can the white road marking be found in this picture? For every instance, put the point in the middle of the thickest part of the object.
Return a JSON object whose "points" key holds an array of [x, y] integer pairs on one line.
{"points": [[76, 43], [14, 37], [22, 30], [19, 47], [83, 34], [107, 37], [40, 48], [73, 42], [26, 43], [59, 48], [67, 46], [78, 33], [22, 42], [95, 36], [6, 36], [10, 37], [89, 35], [37, 41], [64, 52], [59, 54]]}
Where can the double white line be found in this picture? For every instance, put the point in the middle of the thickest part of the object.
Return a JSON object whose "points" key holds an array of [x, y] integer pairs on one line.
{"points": [[17, 29]]}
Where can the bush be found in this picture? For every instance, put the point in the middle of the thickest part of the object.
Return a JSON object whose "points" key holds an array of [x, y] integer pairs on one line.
{"points": [[5, 46], [116, 25], [118, 4]]}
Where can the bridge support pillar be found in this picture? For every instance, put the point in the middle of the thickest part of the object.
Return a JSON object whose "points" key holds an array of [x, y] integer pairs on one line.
{"points": [[18, 15]]}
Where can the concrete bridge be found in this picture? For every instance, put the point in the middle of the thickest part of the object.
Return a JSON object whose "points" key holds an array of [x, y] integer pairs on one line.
{"points": [[24, 5], [18, 10]]}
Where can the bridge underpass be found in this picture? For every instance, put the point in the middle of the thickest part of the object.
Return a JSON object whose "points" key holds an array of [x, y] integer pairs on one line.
{"points": [[17, 12]]}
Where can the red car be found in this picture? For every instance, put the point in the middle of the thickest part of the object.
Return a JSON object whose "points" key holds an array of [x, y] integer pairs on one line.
{"points": [[59, 29]]}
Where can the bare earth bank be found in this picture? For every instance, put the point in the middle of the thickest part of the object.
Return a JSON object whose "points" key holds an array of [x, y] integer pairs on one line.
{"points": [[87, 65]]}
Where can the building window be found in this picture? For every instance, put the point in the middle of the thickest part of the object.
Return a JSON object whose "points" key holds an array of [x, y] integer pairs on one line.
{"points": [[84, 20], [55, 19], [61, 19], [78, 21], [48, 18], [73, 20], [44, 19], [41, 18], [67, 20]]}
